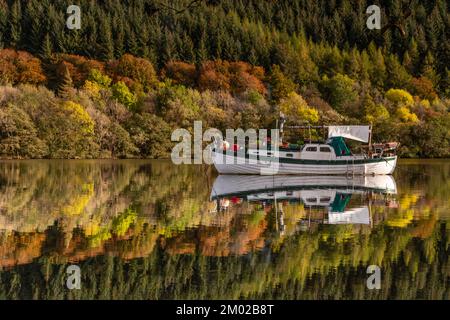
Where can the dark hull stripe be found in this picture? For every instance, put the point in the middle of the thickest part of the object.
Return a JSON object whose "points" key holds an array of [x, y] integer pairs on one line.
{"points": [[317, 162], [298, 188]]}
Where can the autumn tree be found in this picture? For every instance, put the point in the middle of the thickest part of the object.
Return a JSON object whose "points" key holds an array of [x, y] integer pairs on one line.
{"points": [[137, 69], [297, 110], [18, 135], [423, 87], [402, 102], [151, 134], [280, 85], [121, 93], [180, 73], [65, 87], [20, 67], [339, 91], [234, 76]]}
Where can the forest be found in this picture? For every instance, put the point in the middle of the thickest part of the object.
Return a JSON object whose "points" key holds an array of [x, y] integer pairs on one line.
{"points": [[138, 69]]}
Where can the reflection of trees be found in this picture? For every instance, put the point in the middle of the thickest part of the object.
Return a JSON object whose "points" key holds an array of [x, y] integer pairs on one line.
{"points": [[144, 230], [302, 268]]}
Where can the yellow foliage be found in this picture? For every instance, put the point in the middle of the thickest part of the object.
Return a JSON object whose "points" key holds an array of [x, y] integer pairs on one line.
{"points": [[425, 104], [123, 222], [402, 220], [91, 228], [92, 88], [101, 236], [408, 200], [406, 115], [376, 113], [295, 107], [400, 97], [80, 116], [80, 202]]}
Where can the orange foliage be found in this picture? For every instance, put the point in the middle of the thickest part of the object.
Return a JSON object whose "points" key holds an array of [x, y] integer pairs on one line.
{"points": [[251, 238], [215, 244], [425, 228], [20, 67], [423, 87], [19, 249], [79, 67], [234, 76], [137, 69], [180, 73], [211, 79], [181, 244]]}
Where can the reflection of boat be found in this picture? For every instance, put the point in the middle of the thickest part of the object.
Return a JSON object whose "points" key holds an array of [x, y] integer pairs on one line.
{"points": [[330, 192], [329, 157], [284, 186]]}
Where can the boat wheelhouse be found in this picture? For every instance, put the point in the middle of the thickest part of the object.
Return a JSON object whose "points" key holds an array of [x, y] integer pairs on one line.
{"points": [[329, 157]]}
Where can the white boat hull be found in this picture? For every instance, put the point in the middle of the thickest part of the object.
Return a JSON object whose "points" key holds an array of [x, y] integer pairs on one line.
{"points": [[229, 164], [228, 185]]}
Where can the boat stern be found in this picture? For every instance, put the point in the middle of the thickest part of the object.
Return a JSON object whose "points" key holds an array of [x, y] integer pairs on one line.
{"points": [[385, 166]]}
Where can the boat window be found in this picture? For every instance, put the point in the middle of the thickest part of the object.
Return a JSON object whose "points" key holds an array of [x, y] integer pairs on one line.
{"points": [[311, 149], [269, 153], [289, 193], [327, 199], [289, 155], [311, 200], [325, 149]]}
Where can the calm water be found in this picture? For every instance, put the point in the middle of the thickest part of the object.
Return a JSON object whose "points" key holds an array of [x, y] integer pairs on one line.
{"points": [[151, 230]]}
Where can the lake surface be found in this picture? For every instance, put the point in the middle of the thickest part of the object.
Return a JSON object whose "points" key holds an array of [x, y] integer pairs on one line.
{"points": [[152, 230]]}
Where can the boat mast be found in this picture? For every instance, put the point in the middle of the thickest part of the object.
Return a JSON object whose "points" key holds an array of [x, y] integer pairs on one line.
{"points": [[282, 122]]}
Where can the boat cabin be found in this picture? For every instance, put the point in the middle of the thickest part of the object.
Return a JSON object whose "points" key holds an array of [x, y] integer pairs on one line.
{"points": [[317, 152], [331, 149]]}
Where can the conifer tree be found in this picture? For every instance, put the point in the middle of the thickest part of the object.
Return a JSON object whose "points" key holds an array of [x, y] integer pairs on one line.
{"points": [[46, 48], [427, 69], [106, 40], [15, 18], [65, 86]]}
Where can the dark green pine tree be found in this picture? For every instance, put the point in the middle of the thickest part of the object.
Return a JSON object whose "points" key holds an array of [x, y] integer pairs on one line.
{"points": [[15, 27], [119, 37], [65, 86], [168, 48], [218, 37], [428, 68], [3, 24], [46, 48], [32, 23], [106, 40], [132, 44], [187, 48], [445, 83], [202, 52]]}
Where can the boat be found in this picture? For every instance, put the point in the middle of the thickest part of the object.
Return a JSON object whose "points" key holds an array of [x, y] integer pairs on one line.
{"points": [[329, 157], [332, 193]]}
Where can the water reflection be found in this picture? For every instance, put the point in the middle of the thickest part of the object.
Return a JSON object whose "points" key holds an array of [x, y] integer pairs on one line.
{"points": [[327, 198], [151, 230]]}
